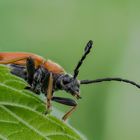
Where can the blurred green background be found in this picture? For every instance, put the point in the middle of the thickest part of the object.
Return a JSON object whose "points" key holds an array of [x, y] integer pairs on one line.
{"points": [[59, 30]]}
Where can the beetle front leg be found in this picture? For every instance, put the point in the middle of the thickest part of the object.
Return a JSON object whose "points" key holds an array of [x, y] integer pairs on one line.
{"points": [[68, 102]]}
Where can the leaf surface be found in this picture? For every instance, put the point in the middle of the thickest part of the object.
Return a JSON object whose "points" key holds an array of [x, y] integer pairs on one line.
{"points": [[21, 114]]}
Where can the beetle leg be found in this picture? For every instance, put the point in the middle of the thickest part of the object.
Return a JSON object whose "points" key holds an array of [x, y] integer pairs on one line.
{"points": [[49, 92], [68, 102], [13, 60], [30, 66]]}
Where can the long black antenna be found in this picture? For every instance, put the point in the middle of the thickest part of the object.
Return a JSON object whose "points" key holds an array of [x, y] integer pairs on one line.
{"points": [[109, 79], [86, 52]]}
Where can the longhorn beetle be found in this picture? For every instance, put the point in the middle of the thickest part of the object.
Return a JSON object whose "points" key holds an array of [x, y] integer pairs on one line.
{"points": [[45, 76]]}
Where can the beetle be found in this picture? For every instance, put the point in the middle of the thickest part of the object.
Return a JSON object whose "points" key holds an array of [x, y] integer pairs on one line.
{"points": [[45, 76]]}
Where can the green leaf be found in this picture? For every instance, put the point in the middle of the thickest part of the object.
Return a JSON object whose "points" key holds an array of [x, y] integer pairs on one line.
{"points": [[21, 114]]}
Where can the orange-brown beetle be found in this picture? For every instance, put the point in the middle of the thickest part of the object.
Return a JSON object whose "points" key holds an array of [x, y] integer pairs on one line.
{"points": [[45, 76]]}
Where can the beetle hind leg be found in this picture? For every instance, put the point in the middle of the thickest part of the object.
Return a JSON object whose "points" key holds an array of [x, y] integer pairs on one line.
{"points": [[10, 61]]}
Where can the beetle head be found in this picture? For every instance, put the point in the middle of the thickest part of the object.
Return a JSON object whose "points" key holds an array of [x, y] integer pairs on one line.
{"points": [[69, 84]]}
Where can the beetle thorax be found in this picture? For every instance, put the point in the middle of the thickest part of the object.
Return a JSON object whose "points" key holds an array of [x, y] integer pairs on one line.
{"points": [[41, 80]]}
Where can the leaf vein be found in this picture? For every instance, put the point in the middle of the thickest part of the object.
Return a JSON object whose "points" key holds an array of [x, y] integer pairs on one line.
{"points": [[23, 122]]}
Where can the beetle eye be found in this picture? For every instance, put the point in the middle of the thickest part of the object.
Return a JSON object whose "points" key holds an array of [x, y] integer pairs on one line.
{"points": [[65, 81]]}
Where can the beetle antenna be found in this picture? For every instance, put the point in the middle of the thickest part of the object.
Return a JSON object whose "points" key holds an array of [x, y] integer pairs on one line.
{"points": [[109, 79], [86, 52]]}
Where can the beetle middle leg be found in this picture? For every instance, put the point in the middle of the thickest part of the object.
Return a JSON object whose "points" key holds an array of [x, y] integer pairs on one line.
{"points": [[68, 102], [49, 93]]}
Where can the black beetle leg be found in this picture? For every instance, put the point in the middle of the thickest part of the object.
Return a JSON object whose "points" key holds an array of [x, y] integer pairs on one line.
{"points": [[68, 102], [30, 67]]}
